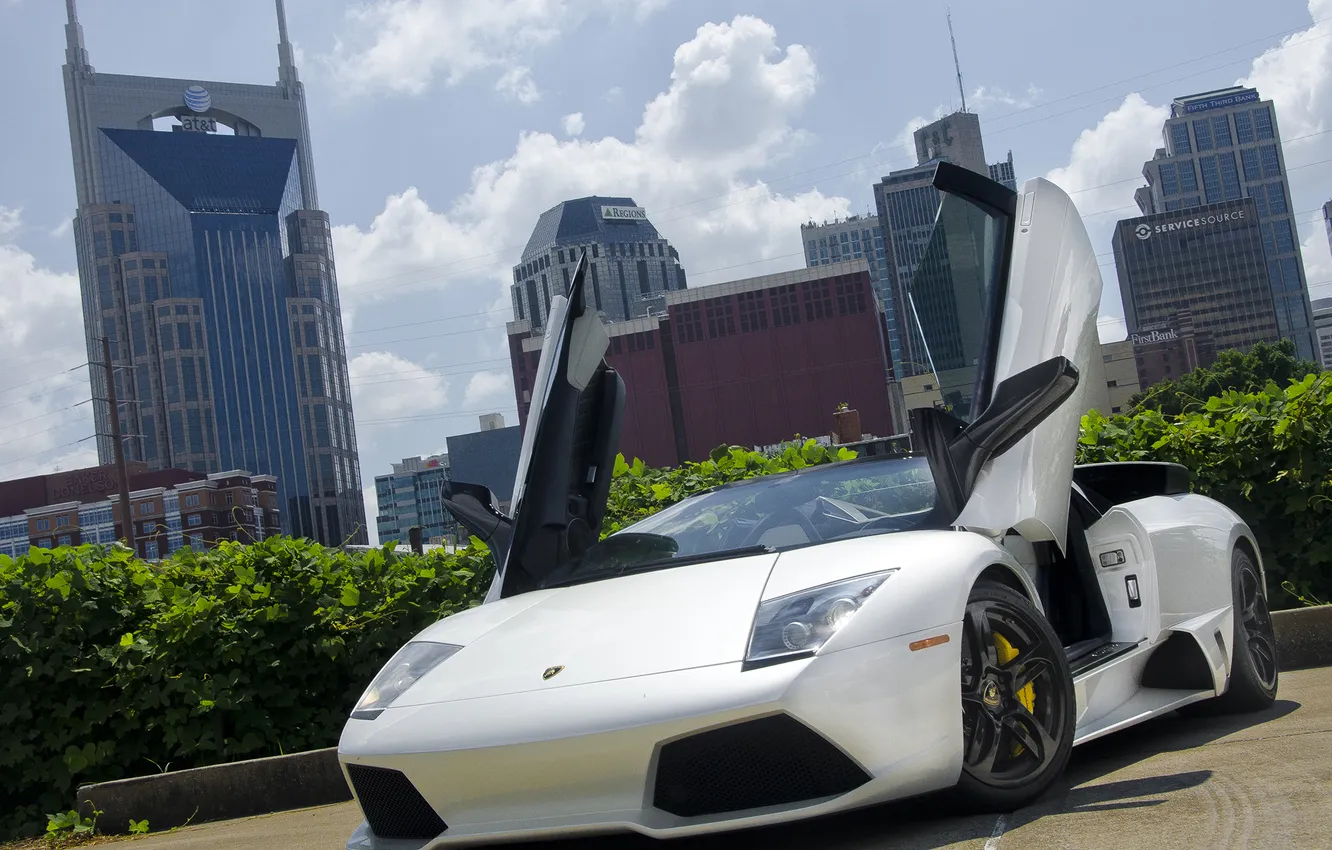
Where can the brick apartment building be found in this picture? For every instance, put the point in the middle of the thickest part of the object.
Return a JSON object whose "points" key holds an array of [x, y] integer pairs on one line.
{"points": [[170, 509]]}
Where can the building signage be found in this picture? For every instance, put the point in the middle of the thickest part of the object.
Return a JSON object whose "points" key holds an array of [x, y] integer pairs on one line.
{"points": [[198, 99], [1221, 102], [80, 486], [623, 214], [1149, 337], [198, 124], [1145, 231]]}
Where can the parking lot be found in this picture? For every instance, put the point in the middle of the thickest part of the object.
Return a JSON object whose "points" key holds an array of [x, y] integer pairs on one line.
{"points": [[1247, 781]]}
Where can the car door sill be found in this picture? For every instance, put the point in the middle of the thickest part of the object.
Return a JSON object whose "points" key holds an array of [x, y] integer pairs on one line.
{"points": [[1090, 659]]}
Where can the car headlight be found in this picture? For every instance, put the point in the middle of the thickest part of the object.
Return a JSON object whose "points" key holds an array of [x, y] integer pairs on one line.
{"points": [[403, 670], [796, 625]]}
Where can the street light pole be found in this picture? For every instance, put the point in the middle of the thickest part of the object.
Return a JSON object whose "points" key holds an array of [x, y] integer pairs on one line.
{"points": [[121, 474]]}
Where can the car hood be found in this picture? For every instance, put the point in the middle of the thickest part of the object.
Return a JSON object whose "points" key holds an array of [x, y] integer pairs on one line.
{"points": [[656, 622]]}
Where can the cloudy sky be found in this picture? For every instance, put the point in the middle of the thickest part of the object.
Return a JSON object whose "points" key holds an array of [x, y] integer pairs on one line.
{"points": [[443, 128]]}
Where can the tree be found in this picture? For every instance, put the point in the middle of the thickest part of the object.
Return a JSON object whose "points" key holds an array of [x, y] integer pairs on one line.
{"points": [[1232, 370]]}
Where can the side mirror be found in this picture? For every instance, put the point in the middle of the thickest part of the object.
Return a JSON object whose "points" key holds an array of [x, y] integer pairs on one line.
{"points": [[958, 450], [475, 506], [1020, 403]]}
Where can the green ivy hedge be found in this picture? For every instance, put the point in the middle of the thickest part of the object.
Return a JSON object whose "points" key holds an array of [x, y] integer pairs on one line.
{"points": [[111, 667], [1267, 455]]}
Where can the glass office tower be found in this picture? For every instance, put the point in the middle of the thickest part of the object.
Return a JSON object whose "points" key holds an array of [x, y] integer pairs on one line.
{"points": [[205, 261], [1225, 145]]}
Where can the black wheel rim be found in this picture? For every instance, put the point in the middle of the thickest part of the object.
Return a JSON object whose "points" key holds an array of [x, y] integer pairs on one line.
{"points": [[1006, 742], [1256, 624]]}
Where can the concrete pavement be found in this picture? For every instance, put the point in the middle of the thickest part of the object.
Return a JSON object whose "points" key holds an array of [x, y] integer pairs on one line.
{"points": [[1261, 780]]}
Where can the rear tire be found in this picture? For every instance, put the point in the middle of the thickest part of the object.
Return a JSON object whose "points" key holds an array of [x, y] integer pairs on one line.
{"points": [[1018, 705], [1253, 665]]}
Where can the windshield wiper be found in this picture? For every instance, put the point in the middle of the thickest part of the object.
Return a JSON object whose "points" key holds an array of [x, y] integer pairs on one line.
{"points": [[662, 563]]}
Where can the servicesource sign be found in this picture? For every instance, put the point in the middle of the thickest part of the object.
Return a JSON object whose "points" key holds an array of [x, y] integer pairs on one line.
{"points": [[1146, 231]]}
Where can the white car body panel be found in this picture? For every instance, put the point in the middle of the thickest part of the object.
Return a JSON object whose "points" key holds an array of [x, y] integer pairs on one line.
{"points": [[503, 749], [1051, 305]]}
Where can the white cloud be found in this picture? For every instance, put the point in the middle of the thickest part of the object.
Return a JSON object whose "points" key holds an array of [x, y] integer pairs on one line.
{"points": [[401, 46], [614, 93], [386, 385], [488, 389], [984, 96], [1100, 159], [40, 379], [517, 84], [729, 111], [573, 124], [10, 220]]}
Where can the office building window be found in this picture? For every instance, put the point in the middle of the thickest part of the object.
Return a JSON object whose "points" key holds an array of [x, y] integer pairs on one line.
{"points": [[1243, 128], [1188, 178], [1202, 134], [1221, 131], [1262, 124], [1276, 199], [1169, 180], [1271, 162], [1179, 139], [1249, 160]]}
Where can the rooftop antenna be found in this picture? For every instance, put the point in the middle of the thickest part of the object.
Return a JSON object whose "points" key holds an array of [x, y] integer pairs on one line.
{"points": [[956, 64]]}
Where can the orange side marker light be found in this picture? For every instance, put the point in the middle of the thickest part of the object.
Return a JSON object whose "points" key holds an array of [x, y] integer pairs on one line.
{"points": [[928, 642]]}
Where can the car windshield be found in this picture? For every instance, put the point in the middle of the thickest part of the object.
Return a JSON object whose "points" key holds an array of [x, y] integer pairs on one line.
{"points": [[772, 513]]}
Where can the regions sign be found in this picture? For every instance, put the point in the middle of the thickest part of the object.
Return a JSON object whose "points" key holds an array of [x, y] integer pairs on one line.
{"points": [[1248, 96], [1149, 337], [623, 214], [1145, 231]]}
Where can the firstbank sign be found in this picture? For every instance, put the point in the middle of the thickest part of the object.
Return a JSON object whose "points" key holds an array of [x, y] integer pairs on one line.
{"points": [[623, 214], [1145, 231]]}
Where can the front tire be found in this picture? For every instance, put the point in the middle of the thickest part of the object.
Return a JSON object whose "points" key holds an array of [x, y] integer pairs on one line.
{"points": [[1018, 705], [1253, 663]]}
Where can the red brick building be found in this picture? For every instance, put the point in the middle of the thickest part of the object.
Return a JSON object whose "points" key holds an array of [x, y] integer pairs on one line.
{"points": [[1172, 350], [752, 362], [170, 509]]}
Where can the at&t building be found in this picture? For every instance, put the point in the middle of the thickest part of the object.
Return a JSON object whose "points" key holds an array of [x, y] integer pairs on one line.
{"points": [[204, 258]]}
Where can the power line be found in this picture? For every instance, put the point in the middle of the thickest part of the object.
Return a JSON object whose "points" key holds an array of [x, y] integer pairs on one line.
{"points": [[43, 378], [42, 416]]}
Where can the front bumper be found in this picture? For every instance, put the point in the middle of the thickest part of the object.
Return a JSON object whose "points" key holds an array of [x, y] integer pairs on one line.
{"points": [[883, 722]]}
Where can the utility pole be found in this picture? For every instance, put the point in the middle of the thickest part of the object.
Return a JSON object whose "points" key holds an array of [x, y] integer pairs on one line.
{"points": [[127, 515]]}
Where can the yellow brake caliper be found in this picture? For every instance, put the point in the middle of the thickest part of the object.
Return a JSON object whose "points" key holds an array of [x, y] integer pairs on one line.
{"points": [[1027, 696]]}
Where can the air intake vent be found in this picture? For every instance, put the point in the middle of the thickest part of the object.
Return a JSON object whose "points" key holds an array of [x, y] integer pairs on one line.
{"points": [[766, 762], [392, 805]]}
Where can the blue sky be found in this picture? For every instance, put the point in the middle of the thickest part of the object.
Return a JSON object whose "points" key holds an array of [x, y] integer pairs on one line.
{"points": [[443, 128]]}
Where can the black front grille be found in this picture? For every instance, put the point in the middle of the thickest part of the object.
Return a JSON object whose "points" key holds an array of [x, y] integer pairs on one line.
{"points": [[765, 762], [392, 805]]}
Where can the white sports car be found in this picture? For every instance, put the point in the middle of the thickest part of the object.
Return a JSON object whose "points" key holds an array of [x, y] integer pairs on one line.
{"points": [[844, 635]]}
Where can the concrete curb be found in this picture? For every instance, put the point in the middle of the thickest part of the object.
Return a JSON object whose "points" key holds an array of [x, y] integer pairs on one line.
{"points": [[1304, 637], [299, 781], [219, 792]]}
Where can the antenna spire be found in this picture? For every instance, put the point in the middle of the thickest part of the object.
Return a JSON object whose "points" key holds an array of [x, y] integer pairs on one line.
{"points": [[286, 59], [75, 54], [956, 64]]}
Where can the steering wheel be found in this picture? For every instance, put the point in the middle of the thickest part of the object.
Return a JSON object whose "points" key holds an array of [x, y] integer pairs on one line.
{"points": [[801, 520]]}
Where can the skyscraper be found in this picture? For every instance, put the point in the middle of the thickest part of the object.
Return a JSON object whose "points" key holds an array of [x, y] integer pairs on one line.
{"points": [[631, 265], [205, 260], [1206, 261], [908, 203], [852, 238], [1327, 222], [1225, 145]]}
